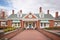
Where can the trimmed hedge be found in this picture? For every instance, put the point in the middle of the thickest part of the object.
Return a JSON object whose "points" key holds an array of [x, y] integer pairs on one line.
{"points": [[54, 28]]}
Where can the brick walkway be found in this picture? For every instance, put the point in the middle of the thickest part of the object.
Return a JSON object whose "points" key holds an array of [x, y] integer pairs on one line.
{"points": [[30, 35]]}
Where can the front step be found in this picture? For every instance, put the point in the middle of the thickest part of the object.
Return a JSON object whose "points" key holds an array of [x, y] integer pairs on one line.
{"points": [[30, 28]]}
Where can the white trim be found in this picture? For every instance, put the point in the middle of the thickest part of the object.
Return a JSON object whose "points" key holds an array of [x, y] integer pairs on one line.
{"points": [[35, 16], [31, 14], [13, 25], [3, 23], [30, 19]]}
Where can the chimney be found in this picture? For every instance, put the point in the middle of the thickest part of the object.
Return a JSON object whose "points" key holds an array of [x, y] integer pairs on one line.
{"points": [[20, 11], [3, 14], [40, 9], [47, 11], [30, 13], [56, 15], [12, 11]]}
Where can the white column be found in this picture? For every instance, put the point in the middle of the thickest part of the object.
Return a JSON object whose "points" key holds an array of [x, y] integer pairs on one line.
{"points": [[43, 25], [27, 26], [47, 25], [17, 25], [34, 26]]}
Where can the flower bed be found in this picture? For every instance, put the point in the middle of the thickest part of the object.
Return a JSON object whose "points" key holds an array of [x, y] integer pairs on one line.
{"points": [[9, 29]]}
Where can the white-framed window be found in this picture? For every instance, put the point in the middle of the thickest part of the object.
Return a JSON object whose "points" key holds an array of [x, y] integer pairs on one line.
{"points": [[57, 24], [3, 23], [41, 15]]}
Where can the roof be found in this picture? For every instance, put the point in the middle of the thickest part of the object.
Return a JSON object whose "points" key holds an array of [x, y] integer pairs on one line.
{"points": [[13, 16], [1, 19], [37, 15], [46, 16], [58, 18]]}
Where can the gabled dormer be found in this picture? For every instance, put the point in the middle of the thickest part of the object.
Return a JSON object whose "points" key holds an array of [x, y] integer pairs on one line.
{"points": [[19, 14]]}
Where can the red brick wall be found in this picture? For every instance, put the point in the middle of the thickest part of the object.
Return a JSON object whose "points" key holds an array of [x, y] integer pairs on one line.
{"points": [[0, 23], [9, 23], [38, 24], [22, 23], [51, 25], [28, 16], [33, 16]]}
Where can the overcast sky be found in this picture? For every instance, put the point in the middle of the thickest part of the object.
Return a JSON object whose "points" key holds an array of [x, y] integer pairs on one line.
{"points": [[31, 5]]}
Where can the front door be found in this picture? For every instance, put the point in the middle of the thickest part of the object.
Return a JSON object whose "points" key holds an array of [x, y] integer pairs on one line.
{"points": [[30, 26]]}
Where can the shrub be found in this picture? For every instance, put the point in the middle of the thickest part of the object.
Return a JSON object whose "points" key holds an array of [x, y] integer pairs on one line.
{"points": [[9, 29], [54, 28]]}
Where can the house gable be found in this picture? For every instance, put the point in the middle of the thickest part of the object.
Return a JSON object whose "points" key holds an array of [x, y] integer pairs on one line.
{"points": [[30, 15]]}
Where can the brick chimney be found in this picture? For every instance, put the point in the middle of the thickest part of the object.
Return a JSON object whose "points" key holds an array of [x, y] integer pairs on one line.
{"points": [[47, 11], [56, 15], [3, 14], [30, 13], [12, 11], [40, 9], [20, 11]]}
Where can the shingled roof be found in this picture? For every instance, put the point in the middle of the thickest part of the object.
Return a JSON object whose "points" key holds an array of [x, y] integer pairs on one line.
{"points": [[46, 16], [58, 18]]}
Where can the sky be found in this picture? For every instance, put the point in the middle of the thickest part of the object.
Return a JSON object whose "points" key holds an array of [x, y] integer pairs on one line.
{"points": [[31, 6]]}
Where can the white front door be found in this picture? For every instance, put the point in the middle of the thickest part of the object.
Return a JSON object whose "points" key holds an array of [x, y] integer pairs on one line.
{"points": [[29, 26]]}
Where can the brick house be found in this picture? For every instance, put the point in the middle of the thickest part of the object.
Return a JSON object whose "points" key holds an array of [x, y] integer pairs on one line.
{"points": [[30, 20]]}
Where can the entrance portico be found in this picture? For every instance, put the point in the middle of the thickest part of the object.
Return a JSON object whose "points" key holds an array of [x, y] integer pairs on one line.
{"points": [[30, 23]]}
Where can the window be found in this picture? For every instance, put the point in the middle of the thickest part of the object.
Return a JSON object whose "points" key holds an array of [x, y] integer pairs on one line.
{"points": [[44, 24], [18, 24], [41, 24], [3, 23], [57, 23]]}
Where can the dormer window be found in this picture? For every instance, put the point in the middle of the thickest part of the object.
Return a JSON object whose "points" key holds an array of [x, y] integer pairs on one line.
{"points": [[41, 15]]}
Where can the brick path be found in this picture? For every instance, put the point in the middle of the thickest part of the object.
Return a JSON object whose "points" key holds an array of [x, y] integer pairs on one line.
{"points": [[30, 35]]}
